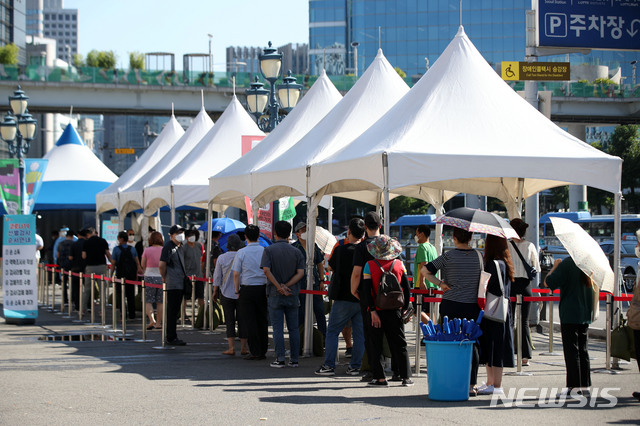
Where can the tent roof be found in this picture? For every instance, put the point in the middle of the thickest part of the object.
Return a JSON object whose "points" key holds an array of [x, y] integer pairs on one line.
{"points": [[73, 176], [132, 197], [379, 88], [189, 179], [231, 185], [108, 199], [462, 128]]}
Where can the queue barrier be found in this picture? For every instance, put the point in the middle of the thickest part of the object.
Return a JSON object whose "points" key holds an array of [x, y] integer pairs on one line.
{"points": [[47, 296]]}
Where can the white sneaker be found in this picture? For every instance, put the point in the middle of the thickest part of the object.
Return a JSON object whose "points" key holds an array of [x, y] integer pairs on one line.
{"points": [[498, 391], [482, 387], [488, 390]]}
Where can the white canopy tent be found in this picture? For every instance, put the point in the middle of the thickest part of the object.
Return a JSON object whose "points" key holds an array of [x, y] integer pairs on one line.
{"points": [[133, 197], [231, 185], [109, 198], [187, 183]]}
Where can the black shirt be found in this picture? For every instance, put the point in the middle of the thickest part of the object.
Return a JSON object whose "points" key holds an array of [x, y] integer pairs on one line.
{"points": [[78, 263], [360, 258], [96, 248], [341, 262]]}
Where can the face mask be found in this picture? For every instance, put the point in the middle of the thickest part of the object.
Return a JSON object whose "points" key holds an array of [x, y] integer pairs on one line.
{"points": [[192, 239], [415, 238], [637, 251], [131, 237], [63, 233], [180, 238], [303, 235]]}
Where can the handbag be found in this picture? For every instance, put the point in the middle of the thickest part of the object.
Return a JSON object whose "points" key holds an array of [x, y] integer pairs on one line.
{"points": [[483, 282], [622, 342], [530, 270], [497, 306]]}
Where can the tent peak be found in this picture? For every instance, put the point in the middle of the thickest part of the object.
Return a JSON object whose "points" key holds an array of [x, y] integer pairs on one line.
{"points": [[461, 32], [379, 54]]}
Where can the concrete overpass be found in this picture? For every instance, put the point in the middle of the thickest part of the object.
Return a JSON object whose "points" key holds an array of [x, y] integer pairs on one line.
{"points": [[131, 99]]}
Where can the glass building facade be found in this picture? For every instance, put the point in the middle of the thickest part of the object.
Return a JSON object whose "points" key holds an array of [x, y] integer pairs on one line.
{"points": [[413, 33]]}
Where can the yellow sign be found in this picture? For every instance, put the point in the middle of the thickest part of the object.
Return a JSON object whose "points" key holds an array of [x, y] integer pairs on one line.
{"points": [[539, 71], [125, 151]]}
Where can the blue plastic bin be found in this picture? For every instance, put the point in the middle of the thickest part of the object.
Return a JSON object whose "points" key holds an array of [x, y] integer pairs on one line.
{"points": [[449, 370]]}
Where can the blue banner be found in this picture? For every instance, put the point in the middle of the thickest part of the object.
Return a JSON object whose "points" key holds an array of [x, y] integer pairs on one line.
{"points": [[593, 24]]}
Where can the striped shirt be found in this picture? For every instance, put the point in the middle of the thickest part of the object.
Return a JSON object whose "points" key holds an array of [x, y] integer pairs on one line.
{"points": [[461, 272]]}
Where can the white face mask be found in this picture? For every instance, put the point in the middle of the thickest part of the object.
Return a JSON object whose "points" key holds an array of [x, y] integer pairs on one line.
{"points": [[303, 236], [637, 251], [180, 238], [131, 238], [192, 239], [415, 238]]}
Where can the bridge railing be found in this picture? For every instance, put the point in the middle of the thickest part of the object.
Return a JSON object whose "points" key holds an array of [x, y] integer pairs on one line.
{"points": [[92, 75]]}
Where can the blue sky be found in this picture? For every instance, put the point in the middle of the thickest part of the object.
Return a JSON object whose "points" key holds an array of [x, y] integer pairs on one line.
{"points": [[182, 26]]}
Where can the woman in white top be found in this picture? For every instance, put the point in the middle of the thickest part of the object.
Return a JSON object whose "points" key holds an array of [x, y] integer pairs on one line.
{"points": [[223, 283], [521, 283]]}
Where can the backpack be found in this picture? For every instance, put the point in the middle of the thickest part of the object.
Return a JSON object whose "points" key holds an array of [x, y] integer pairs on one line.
{"points": [[126, 266], [64, 251], [390, 296]]}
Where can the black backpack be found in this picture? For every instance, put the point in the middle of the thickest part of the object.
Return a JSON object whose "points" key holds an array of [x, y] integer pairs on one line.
{"points": [[126, 266], [390, 295]]}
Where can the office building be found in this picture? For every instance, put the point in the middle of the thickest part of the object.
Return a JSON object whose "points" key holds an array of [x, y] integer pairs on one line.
{"points": [[49, 19], [413, 34], [13, 26]]}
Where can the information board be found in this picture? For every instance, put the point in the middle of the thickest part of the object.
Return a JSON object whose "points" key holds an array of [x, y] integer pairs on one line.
{"points": [[19, 268], [591, 24]]}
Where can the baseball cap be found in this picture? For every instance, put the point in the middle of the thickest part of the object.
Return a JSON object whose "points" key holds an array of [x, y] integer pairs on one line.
{"points": [[176, 229], [299, 226]]}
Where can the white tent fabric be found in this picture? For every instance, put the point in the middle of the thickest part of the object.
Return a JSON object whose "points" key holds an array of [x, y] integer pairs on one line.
{"points": [[187, 183], [379, 88], [109, 198], [132, 198], [231, 185], [462, 128]]}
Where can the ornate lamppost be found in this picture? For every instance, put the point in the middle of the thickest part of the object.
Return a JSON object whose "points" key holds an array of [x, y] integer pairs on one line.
{"points": [[259, 98], [18, 134]]}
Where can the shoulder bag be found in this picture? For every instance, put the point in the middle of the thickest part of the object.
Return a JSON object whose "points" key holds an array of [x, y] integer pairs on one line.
{"points": [[497, 306], [482, 284], [530, 270]]}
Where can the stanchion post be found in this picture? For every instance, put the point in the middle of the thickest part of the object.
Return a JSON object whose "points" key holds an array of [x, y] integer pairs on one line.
{"points": [[70, 293], [123, 311], [608, 325], [193, 302], [550, 317], [53, 292], [518, 321], [50, 275], [114, 319], [81, 296], [103, 303], [418, 314], [144, 311], [164, 314], [92, 295], [210, 309]]}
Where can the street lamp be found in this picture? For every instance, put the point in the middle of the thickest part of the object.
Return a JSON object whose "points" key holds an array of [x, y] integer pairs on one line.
{"points": [[259, 98], [18, 135], [633, 72], [355, 45]]}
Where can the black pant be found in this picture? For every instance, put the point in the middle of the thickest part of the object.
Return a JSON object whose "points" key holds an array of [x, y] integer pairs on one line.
{"points": [[368, 336], [65, 286], [174, 302], [75, 290], [393, 328], [231, 315], [522, 286], [130, 295], [254, 313], [576, 355], [469, 311]]}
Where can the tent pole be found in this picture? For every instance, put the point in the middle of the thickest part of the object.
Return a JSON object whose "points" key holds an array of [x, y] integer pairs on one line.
{"points": [[385, 194], [308, 305], [617, 237], [98, 223], [209, 234], [330, 215], [439, 212], [173, 208]]}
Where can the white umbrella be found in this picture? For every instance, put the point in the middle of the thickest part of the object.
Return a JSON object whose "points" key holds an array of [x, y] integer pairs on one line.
{"points": [[325, 240], [585, 252]]}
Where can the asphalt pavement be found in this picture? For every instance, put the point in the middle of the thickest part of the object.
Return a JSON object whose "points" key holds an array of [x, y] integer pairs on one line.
{"points": [[114, 381]]}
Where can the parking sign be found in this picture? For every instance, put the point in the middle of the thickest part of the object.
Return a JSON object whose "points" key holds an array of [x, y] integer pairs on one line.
{"points": [[591, 24]]}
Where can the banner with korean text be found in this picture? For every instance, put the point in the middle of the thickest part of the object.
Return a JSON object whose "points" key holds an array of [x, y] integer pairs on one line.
{"points": [[19, 268]]}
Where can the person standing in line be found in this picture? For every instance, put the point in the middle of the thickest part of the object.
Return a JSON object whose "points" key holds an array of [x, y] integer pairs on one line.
{"points": [[318, 277], [223, 286], [250, 285], [576, 311], [171, 267], [345, 306], [522, 284], [151, 267], [95, 253], [283, 266], [77, 265], [193, 264], [216, 250], [425, 253], [64, 261], [385, 252], [125, 261]]}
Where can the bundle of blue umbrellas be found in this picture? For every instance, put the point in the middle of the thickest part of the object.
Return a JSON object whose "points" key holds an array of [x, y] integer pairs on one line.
{"points": [[455, 330]]}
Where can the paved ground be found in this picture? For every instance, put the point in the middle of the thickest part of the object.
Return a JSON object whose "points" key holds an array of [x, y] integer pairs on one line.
{"points": [[127, 382]]}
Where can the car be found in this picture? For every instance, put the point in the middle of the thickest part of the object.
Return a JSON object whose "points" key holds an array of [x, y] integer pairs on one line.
{"points": [[628, 260]]}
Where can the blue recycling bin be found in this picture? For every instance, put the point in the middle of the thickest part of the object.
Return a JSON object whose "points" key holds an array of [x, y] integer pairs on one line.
{"points": [[449, 369]]}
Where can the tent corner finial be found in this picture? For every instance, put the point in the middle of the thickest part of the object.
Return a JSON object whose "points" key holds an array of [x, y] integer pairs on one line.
{"points": [[202, 97], [460, 12], [172, 111]]}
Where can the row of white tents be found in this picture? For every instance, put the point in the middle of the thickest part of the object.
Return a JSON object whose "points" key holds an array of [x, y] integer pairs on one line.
{"points": [[459, 129]]}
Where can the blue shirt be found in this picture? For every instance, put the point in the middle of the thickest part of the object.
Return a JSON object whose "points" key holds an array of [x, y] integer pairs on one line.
{"points": [[247, 262]]}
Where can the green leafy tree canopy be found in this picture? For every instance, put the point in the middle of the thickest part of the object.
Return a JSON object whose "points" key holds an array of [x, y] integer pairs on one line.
{"points": [[101, 59], [9, 54], [136, 61]]}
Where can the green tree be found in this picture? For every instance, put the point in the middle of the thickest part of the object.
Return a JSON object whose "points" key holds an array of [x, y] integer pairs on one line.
{"points": [[625, 144], [136, 61], [401, 73], [9, 54], [402, 205], [101, 59], [78, 60]]}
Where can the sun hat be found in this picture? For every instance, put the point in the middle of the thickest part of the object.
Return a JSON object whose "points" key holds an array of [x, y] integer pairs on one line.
{"points": [[384, 247]]}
